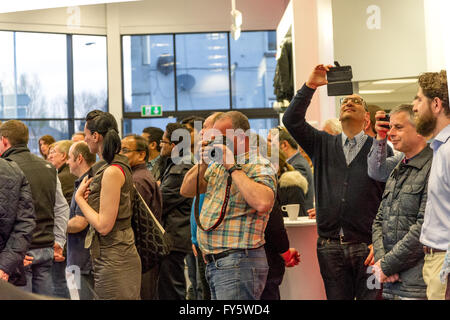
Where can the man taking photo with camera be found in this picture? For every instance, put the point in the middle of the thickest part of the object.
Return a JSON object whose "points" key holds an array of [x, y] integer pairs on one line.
{"points": [[240, 187]]}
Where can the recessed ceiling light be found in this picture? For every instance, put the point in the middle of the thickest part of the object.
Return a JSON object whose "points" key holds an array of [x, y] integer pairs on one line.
{"points": [[374, 91], [395, 81]]}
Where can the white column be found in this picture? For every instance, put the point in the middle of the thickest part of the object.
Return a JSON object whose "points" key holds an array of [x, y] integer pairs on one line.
{"points": [[114, 63]]}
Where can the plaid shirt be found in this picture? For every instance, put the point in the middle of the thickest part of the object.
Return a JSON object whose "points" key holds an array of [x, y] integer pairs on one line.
{"points": [[242, 227]]}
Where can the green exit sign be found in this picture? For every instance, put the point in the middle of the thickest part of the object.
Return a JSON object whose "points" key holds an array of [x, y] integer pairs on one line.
{"points": [[151, 111]]}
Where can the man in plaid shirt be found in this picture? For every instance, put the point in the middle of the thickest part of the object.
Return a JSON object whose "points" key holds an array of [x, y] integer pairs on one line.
{"points": [[234, 252]]}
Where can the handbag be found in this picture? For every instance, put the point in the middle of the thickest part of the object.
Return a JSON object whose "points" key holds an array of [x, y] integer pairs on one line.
{"points": [[151, 240]]}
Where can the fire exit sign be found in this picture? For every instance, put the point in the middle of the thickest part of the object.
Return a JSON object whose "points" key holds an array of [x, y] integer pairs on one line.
{"points": [[151, 111]]}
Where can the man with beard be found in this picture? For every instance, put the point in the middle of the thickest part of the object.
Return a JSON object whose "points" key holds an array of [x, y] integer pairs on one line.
{"points": [[432, 116]]}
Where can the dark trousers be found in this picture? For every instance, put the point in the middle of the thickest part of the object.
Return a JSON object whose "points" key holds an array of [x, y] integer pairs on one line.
{"points": [[86, 292], [343, 271], [149, 284], [59, 280], [172, 281], [199, 288]]}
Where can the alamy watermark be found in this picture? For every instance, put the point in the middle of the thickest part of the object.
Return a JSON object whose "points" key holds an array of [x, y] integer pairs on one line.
{"points": [[237, 141]]}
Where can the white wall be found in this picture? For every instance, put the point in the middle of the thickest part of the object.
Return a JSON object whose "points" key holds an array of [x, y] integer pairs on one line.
{"points": [[396, 49]]}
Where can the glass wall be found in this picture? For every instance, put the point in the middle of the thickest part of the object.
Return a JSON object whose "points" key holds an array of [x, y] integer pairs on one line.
{"points": [[198, 74], [48, 81]]}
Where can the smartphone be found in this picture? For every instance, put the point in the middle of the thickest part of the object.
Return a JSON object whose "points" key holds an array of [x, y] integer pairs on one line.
{"points": [[339, 80], [386, 118]]}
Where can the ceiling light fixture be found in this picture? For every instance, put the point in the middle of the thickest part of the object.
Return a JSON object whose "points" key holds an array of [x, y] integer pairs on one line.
{"points": [[374, 91], [236, 21], [395, 81]]}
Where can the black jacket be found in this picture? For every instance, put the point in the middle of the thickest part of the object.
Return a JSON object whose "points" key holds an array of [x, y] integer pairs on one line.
{"points": [[397, 226], [346, 197], [176, 208], [17, 218], [67, 182], [42, 178]]}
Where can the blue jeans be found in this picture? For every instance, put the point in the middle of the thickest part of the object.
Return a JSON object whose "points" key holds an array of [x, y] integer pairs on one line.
{"points": [[39, 273], [239, 276], [343, 271]]}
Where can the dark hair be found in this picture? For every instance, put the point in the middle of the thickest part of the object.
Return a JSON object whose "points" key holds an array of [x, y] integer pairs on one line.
{"points": [[170, 128], [155, 135], [284, 135], [15, 131], [190, 121], [82, 148], [141, 144], [48, 139], [105, 124], [434, 85]]}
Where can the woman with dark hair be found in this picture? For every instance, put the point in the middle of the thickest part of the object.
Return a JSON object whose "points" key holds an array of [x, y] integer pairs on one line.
{"points": [[44, 145], [116, 262]]}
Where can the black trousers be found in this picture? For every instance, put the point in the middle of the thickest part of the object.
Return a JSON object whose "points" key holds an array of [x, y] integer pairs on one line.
{"points": [[343, 271], [172, 280]]}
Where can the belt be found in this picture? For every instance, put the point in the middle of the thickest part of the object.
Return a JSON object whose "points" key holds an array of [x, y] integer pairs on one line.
{"points": [[340, 240], [217, 256], [428, 250]]}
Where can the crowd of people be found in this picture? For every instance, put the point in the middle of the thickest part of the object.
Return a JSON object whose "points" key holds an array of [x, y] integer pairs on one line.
{"points": [[381, 214]]}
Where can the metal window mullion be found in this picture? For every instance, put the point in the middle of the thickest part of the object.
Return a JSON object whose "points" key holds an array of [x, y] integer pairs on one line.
{"points": [[70, 87]]}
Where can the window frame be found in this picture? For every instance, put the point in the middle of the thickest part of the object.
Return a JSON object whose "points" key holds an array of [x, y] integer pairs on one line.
{"points": [[251, 113], [70, 81]]}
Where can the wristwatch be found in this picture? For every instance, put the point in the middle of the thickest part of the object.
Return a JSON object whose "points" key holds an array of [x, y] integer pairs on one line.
{"points": [[233, 168]]}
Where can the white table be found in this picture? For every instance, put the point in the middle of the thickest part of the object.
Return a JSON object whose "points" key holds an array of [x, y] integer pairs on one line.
{"points": [[303, 282]]}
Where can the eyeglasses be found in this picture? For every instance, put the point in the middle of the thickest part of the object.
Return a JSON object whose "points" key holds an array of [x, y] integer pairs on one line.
{"points": [[162, 141], [126, 150], [358, 101]]}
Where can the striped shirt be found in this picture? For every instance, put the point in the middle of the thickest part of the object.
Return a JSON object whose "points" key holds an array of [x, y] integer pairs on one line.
{"points": [[242, 227], [352, 147]]}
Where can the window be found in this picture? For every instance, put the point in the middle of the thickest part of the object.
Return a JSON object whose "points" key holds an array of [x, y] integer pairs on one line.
{"points": [[148, 69], [89, 74], [202, 71], [50, 81], [198, 74], [34, 77], [252, 70], [137, 125]]}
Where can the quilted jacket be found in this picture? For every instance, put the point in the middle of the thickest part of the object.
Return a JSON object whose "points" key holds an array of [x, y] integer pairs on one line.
{"points": [[17, 217], [396, 228]]}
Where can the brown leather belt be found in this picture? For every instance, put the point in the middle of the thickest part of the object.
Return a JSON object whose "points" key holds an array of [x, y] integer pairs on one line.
{"points": [[428, 250]]}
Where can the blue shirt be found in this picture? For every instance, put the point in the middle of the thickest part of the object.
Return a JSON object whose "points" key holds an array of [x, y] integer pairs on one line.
{"points": [[193, 222], [436, 225], [379, 165]]}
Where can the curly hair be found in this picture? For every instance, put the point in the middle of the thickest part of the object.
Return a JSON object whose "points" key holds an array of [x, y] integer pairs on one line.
{"points": [[434, 85]]}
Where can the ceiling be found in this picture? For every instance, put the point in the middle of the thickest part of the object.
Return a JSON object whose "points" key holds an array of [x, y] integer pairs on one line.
{"points": [[396, 91], [25, 5]]}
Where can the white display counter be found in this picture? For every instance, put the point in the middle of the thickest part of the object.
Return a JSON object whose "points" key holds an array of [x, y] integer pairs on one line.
{"points": [[303, 282]]}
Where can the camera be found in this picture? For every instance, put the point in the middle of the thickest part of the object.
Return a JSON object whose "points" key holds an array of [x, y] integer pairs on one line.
{"points": [[221, 141], [386, 118], [340, 80]]}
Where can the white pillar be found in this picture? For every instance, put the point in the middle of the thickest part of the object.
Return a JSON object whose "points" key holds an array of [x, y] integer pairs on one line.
{"points": [[114, 63]]}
